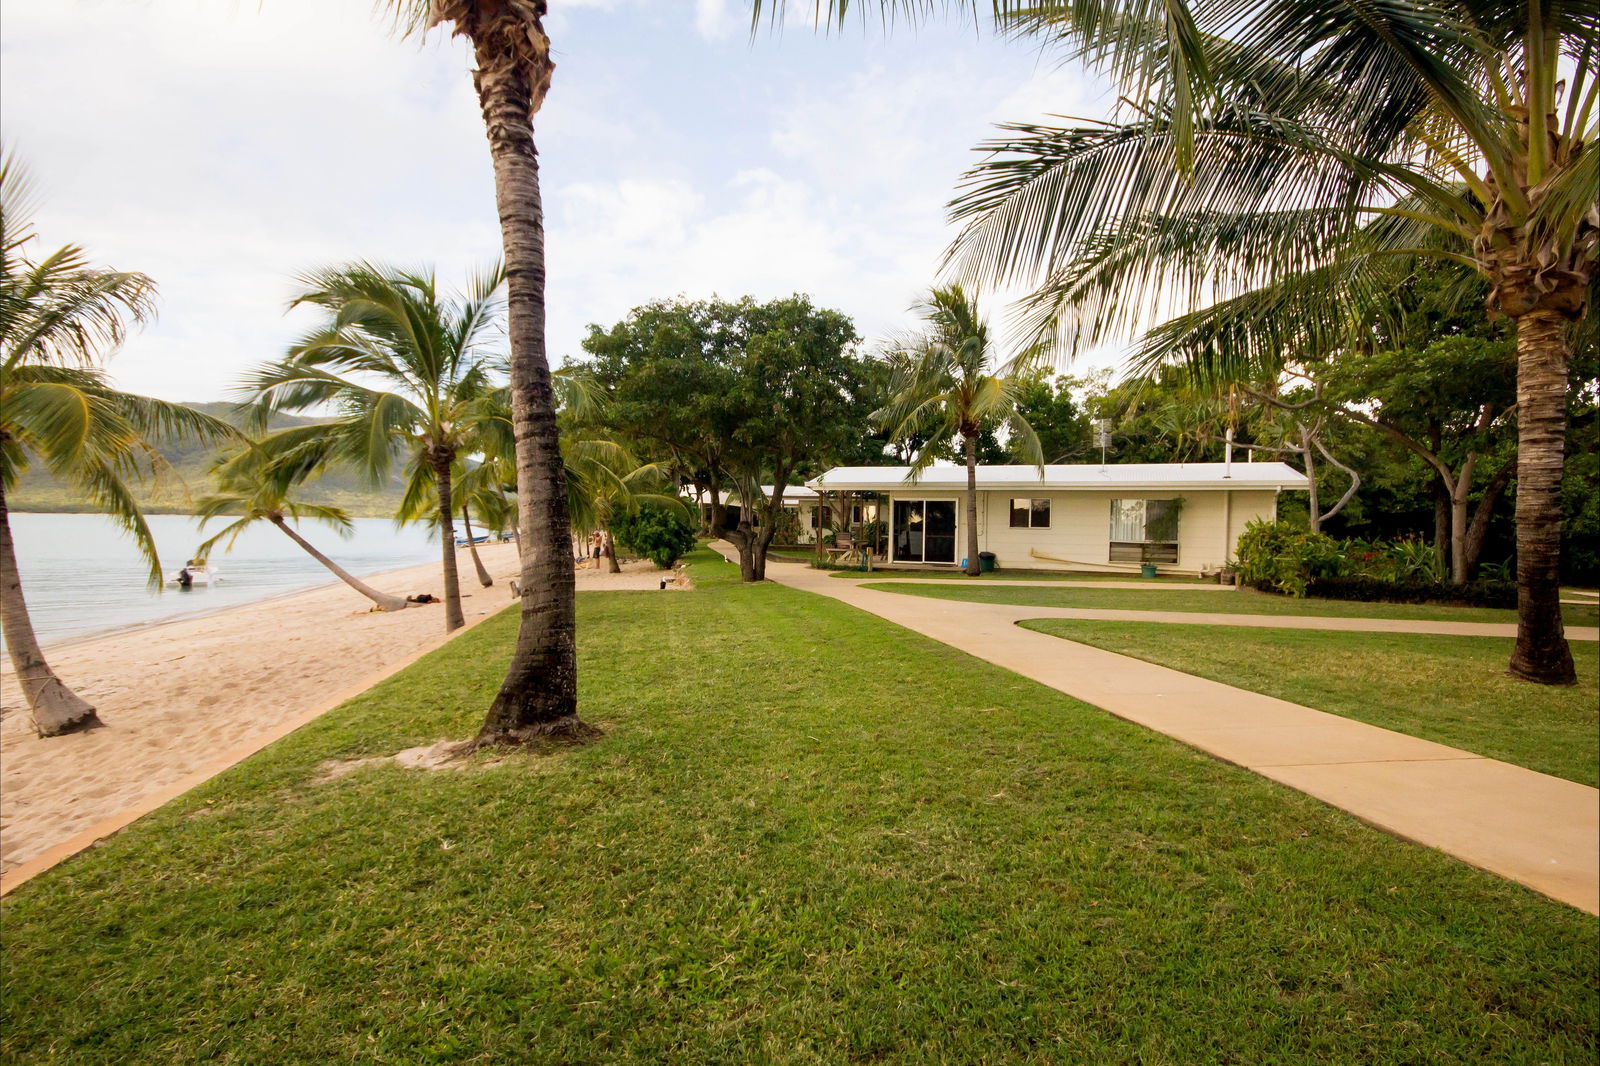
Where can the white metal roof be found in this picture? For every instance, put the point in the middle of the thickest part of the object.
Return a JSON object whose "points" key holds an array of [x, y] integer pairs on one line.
{"points": [[1085, 476]]}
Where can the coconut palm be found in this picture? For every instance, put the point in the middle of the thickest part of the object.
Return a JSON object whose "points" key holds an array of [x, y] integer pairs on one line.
{"points": [[1331, 139], [947, 387], [540, 692], [249, 493], [395, 327], [58, 317], [1253, 143]]}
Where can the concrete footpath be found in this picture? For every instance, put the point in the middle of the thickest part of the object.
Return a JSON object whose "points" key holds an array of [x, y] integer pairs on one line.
{"points": [[1541, 831]]}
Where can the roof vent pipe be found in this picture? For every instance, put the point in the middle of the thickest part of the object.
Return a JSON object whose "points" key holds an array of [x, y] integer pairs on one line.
{"points": [[1227, 455]]}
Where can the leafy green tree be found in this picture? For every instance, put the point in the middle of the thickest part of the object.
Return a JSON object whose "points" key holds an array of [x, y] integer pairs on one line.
{"points": [[1059, 421], [393, 327], [59, 316], [948, 388], [248, 493], [539, 695], [735, 394]]}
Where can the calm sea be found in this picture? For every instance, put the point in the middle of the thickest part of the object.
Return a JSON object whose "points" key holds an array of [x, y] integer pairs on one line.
{"points": [[81, 575]]}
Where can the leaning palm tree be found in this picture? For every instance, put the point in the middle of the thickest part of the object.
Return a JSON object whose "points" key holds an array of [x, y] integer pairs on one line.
{"points": [[1262, 217], [540, 693], [248, 491], [58, 316], [947, 387], [394, 327]]}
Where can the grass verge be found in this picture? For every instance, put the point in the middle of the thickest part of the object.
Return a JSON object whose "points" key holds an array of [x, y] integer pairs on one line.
{"points": [[1451, 690], [1240, 601], [807, 837]]}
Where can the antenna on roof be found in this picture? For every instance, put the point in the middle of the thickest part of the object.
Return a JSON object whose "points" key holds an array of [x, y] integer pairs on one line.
{"points": [[1102, 437]]}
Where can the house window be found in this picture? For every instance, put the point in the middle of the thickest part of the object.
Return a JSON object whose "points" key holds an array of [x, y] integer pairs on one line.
{"points": [[1144, 531], [1030, 514]]}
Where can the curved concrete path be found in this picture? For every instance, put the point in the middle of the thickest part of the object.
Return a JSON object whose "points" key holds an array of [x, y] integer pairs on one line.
{"points": [[1541, 831], [1259, 621]]}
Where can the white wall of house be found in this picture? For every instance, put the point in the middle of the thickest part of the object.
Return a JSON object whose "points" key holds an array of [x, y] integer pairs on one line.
{"points": [[1209, 526]]}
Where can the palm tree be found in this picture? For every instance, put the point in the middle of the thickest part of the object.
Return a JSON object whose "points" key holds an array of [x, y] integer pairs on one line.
{"points": [[58, 316], [1266, 193], [393, 326], [248, 490], [1255, 141], [540, 693], [944, 389], [606, 481]]}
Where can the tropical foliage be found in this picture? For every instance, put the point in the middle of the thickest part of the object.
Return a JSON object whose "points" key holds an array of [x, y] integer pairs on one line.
{"points": [[946, 387], [1274, 171], [407, 369], [661, 534], [59, 317], [248, 493]]}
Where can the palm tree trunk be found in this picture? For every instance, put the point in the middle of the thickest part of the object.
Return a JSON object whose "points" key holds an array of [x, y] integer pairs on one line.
{"points": [[384, 601], [56, 708], [472, 546], [453, 618], [540, 692], [973, 569], [612, 566], [1543, 352]]}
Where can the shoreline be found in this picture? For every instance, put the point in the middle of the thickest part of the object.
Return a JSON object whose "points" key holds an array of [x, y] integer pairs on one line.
{"points": [[207, 612], [173, 694]]}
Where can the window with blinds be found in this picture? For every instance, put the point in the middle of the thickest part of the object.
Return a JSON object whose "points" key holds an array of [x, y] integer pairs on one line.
{"points": [[1144, 531]]}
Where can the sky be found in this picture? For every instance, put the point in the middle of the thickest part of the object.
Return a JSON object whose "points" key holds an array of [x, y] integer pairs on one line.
{"points": [[225, 146]]}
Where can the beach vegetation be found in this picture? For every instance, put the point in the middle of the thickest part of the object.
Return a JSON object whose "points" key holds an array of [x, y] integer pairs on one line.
{"points": [[947, 386], [248, 493], [407, 370], [60, 317], [833, 841]]}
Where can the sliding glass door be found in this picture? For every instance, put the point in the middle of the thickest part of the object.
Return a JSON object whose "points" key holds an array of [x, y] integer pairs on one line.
{"points": [[924, 531]]}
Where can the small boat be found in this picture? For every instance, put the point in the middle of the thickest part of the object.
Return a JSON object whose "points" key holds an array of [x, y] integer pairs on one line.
{"points": [[461, 542], [197, 574]]}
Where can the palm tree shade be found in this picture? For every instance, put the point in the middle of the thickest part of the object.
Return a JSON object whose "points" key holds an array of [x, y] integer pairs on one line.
{"points": [[59, 316], [393, 327], [539, 695], [945, 388]]}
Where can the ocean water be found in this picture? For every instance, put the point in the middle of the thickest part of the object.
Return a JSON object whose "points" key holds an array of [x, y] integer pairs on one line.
{"points": [[81, 575]]}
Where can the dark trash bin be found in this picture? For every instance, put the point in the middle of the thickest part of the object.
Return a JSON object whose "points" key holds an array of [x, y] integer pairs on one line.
{"points": [[986, 562]]}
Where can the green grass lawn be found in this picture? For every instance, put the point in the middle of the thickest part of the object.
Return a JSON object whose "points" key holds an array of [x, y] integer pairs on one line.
{"points": [[947, 573], [1451, 690], [1240, 601], [807, 837]]}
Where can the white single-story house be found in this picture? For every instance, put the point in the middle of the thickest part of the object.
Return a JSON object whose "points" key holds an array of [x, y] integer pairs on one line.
{"points": [[1184, 518]]}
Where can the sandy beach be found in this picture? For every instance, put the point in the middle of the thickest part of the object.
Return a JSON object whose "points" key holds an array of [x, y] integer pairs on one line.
{"points": [[174, 696]]}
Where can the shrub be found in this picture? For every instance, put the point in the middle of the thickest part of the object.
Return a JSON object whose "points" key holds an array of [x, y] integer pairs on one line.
{"points": [[1279, 557], [661, 534], [1374, 590]]}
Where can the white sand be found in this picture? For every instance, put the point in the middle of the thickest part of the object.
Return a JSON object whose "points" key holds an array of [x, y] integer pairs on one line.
{"points": [[174, 696]]}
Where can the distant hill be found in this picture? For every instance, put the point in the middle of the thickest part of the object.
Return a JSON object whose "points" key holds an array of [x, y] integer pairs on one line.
{"points": [[191, 463]]}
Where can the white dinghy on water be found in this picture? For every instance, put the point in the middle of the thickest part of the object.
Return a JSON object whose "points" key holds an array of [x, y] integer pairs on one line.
{"points": [[195, 572]]}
